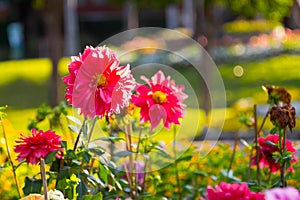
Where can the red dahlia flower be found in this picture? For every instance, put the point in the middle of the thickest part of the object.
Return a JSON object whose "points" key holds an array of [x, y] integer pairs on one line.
{"points": [[39, 145], [236, 191], [160, 99], [266, 150], [97, 85]]}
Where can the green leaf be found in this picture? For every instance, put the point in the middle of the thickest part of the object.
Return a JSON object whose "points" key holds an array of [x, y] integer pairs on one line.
{"points": [[123, 153], [271, 143], [273, 130], [5, 165], [50, 157], [75, 120], [184, 158], [32, 185], [162, 151], [111, 139], [64, 144], [97, 150], [103, 173], [98, 196], [92, 178], [73, 128]]}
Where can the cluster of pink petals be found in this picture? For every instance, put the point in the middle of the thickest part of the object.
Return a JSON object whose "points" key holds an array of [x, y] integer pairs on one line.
{"points": [[266, 150], [97, 85], [160, 99], [39, 145], [236, 191]]}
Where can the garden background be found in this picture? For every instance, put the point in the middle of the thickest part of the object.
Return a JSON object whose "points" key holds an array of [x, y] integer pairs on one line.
{"points": [[253, 43]]}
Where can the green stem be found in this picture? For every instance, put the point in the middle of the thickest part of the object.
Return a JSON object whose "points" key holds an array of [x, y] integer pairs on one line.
{"points": [[44, 179], [283, 153], [92, 128], [175, 164], [259, 130], [236, 141], [10, 158], [79, 134]]}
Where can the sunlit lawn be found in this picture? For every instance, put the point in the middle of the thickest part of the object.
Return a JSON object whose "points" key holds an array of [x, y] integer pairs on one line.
{"points": [[24, 85]]}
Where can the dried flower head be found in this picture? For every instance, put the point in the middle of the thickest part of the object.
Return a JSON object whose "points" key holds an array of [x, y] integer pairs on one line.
{"points": [[277, 94], [283, 116]]}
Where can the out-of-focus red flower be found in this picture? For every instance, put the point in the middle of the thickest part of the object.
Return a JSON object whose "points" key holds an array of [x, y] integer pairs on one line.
{"points": [[236, 191], [266, 150], [39, 145], [97, 85], [160, 100]]}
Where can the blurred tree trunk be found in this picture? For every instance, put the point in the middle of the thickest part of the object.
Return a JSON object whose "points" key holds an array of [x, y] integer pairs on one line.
{"points": [[188, 14], [172, 16], [294, 18], [71, 28], [131, 14], [53, 31]]}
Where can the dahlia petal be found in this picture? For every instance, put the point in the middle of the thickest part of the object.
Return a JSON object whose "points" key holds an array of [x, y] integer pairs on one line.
{"points": [[157, 113]]}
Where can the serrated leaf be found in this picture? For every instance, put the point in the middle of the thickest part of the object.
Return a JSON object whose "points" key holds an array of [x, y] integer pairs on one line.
{"points": [[75, 120]]}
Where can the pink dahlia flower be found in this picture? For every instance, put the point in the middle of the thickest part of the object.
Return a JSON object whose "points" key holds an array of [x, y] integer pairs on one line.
{"points": [[266, 150], [39, 145], [236, 191], [160, 100], [97, 85], [288, 193]]}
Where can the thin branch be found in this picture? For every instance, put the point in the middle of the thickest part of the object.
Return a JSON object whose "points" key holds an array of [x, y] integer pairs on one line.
{"points": [[256, 146]]}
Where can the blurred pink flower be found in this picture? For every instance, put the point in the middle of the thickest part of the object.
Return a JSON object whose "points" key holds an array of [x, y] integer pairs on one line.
{"points": [[236, 191], [39, 145], [288, 193], [266, 150], [160, 100], [97, 84]]}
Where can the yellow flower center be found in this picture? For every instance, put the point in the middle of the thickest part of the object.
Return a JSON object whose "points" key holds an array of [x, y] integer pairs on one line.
{"points": [[102, 81], [159, 97]]}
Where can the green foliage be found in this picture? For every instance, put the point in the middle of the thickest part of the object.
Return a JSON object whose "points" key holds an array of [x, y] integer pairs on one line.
{"points": [[32, 185], [270, 9], [250, 26]]}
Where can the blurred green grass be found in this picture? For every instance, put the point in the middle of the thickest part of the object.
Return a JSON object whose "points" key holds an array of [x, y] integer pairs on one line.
{"points": [[24, 85]]}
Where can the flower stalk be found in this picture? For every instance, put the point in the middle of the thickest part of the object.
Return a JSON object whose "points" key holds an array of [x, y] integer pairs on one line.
{"points": [[175, 162], [256, 146], [44, 179], [9, 157]]}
